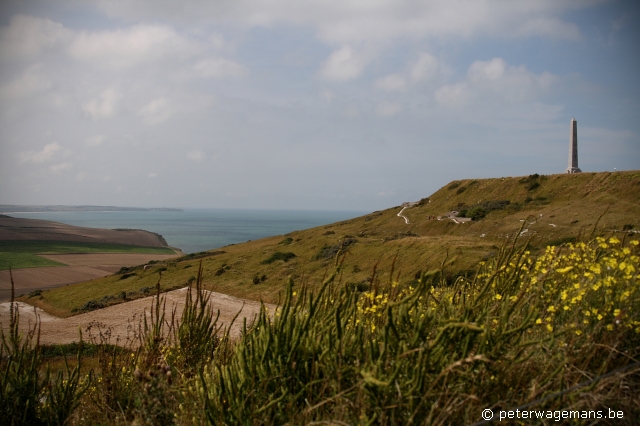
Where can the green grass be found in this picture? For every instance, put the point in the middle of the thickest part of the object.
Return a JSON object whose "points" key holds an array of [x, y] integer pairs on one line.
{"points": [[23, 254], [24, 260]]}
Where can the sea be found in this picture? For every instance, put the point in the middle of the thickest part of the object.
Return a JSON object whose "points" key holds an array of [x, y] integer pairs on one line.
{"points": [[196, 230]]}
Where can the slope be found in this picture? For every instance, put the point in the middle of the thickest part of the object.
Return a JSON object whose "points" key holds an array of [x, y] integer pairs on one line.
{"points": [[545, 210]]}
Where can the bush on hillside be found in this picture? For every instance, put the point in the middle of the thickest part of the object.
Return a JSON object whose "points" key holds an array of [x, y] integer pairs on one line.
{"points": [[329, 252], [285, 257]]}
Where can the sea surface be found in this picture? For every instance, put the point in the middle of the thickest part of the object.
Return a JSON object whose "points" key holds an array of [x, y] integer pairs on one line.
{"points": [[195, 230]]}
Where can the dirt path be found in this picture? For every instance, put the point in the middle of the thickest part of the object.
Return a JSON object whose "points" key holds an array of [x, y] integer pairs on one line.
{"points": [[122, 321], [406, 219]]}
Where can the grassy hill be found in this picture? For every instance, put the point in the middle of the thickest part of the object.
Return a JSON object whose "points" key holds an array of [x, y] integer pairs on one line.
{"points": [[548, 210]]}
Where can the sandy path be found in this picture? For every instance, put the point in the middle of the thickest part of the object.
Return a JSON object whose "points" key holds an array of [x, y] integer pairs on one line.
{"points": [[406, 219], [122, 320]]}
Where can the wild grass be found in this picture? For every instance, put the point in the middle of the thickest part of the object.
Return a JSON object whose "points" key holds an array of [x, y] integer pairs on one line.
{"points": [[556, 331]]}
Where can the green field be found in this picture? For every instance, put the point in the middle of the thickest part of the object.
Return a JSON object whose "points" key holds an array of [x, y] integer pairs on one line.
{"points": [[24, 254]]}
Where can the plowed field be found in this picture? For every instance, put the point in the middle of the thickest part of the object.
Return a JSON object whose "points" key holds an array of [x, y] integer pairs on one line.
{"points": [[82, 267]]}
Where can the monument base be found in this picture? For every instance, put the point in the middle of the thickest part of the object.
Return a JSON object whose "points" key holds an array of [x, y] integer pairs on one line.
{"points": [[573, 170]]}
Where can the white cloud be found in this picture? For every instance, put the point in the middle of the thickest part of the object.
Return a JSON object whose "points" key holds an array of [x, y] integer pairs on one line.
{"points": [[152, 175], [388, 108], [95, 140], [487, 70], [157, 111], [62, 167], [352, 21], [29, 83], [105, 106], [391, 82], [27, 36], [425, 68], [196, 156], [496, 82], [127, 47], [218, 67], [37, 157], [344, 64], [454, 95]]}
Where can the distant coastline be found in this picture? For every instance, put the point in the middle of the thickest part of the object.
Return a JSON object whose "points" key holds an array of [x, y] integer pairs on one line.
{"points": [[12, 208]]}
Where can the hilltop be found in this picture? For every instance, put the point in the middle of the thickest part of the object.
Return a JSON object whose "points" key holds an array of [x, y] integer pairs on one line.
{"points": [[545, 210]]}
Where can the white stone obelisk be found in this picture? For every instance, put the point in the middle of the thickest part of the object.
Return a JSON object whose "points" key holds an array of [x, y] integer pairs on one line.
{"points": [[573, 149]]}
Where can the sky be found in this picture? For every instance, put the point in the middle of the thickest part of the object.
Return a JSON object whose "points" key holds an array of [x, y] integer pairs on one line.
{"points": [[315, 104]]}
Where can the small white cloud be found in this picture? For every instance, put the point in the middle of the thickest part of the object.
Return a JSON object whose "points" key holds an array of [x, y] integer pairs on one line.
{"points": [[327, 95], [196, 155], [388, 109], [37, 157], [157, 111], [391, 82], [455, 95], [104, 106], [95, 140], [62, 167], [549, 27], [152, 175], [344, 64], [127, 47], [425, 68], [27, 36], [218, 42], [30, 82], [487, 70], [218, 68]]}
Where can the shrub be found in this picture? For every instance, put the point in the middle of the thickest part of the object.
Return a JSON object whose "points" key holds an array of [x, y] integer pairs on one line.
{"points": [[476, 213], [454, 185], [286, 241], [329, 252], [35, 293], [461, 190], [285, 257]]}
